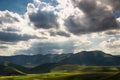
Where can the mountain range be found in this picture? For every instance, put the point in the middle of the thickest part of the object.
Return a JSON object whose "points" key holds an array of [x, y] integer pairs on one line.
{"points": [[87, 58]]}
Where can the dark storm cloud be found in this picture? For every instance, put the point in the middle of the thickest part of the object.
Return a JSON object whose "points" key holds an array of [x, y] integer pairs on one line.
{"points": [[115, 4], [44, 19], [14, 37], [60, 33], [100, 18], [7, 17], [97, 18]]}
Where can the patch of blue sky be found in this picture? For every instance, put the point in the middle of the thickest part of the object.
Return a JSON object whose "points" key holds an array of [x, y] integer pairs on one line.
{"points": [[117, 14], [18, 6], [51, 2]]}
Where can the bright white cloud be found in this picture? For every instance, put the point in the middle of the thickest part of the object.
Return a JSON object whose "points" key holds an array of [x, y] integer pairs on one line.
{"points": [[111, 47]]}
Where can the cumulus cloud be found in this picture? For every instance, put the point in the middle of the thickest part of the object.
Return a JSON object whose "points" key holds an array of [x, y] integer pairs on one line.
{"points": [[11, 28], [98, 17], [14, 37], [43, 16], [8, 17], [10, 22], [44, 19], [14, 29]]}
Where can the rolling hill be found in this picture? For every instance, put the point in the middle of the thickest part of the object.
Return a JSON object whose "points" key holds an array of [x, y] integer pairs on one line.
{"points": [[8, 69], [44, 68], [68, 68]]}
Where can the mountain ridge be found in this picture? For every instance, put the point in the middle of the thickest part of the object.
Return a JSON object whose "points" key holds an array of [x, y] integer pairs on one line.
{"points": [[88, 58]]}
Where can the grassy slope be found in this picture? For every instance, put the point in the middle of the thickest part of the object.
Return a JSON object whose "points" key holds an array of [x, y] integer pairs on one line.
{"points": [[77, 68], [65, 68], [44, 68], [7, 68], [64, 76]]}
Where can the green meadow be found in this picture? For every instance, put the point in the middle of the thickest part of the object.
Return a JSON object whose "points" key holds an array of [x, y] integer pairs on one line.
{"points": [[66, 76]]}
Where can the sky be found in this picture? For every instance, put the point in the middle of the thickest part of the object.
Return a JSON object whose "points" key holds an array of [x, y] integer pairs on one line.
{"points": [[30, 27]]}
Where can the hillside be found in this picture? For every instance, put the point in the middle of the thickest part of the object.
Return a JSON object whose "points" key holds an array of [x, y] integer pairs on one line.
{"points": [[67, 68], [44, 68], [93, 58], [70, 68], [8, 69]]}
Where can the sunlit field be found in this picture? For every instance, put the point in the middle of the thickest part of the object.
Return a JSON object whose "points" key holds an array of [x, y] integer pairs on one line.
{"points": [[66, 76]]}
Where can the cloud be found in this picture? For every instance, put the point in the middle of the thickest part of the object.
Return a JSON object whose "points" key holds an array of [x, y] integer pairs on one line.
{"points": [[14, 37], [57, 51], [11, 22], [115, 4], [48, 48], [3, 47], [8, 17], [60, 33], [61, 26], [112, 46], [53, 46], [112, 32], [44, 17], [97, 17], [10, 29]]}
